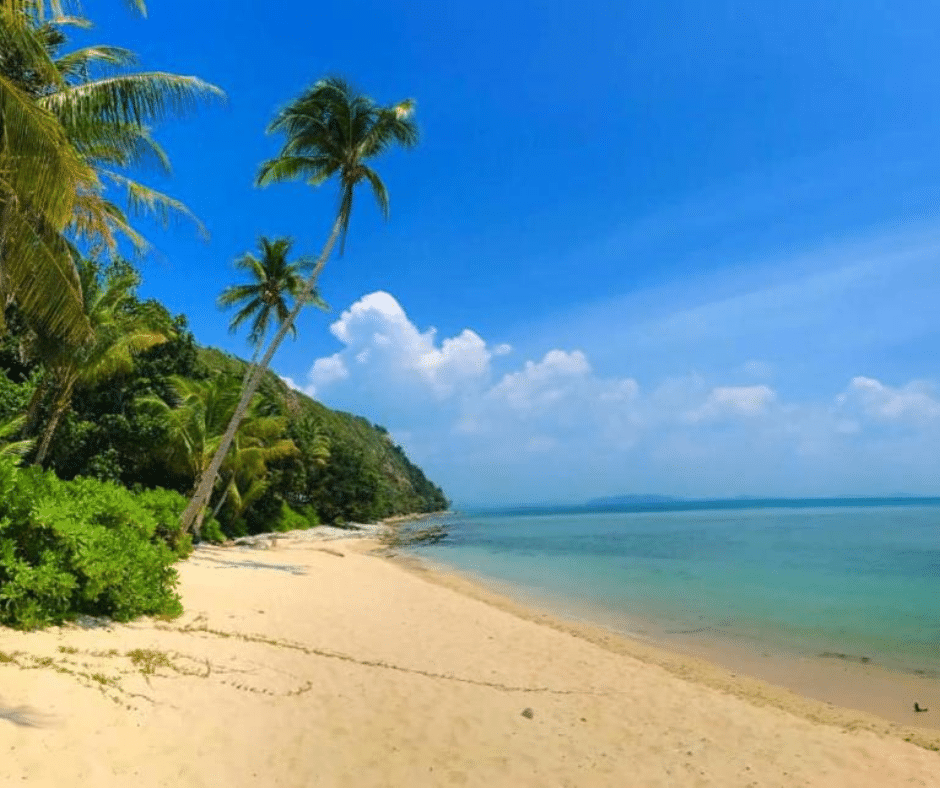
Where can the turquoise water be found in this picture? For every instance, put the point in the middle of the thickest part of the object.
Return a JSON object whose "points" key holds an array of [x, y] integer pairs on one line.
{"points": [[860, 578]]}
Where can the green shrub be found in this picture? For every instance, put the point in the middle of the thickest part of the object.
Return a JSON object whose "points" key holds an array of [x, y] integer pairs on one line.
{"points": [[289, 520], [212, 531], [313, 519], [167, 507], [80, 547]]}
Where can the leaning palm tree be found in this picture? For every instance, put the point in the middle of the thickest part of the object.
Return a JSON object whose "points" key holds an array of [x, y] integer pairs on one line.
{"points": [[331, 132], [259, 442], [195, 422], [275, 282]]}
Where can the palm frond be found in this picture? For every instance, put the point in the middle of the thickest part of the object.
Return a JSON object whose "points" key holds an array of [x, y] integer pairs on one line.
{"points": [[378, 189], [40, 166], [78, 62], [286, 168], [38, 269], [244, 314], [131, 98], [14, 448], [237, 293], [344, 213], [118, 144], [142, 199]]}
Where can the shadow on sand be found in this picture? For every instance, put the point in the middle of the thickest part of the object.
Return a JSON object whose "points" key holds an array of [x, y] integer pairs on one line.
{"points": [[24, 716]]}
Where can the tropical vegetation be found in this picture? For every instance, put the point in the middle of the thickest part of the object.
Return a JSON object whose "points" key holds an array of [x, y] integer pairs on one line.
{"points": [[332, 132], [111, 415]]}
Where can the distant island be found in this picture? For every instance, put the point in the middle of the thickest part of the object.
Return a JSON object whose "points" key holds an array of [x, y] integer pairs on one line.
{"points": [[652, 502]]}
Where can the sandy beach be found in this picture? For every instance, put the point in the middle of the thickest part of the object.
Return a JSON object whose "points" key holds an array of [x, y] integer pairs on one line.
{"points": [[324, 663]]}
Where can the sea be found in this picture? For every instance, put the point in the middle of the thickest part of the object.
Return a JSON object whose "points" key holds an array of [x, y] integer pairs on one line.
{"points": [[857, 579]]}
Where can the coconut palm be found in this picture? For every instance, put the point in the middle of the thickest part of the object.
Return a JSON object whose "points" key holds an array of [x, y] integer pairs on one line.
{"points": [[41, 176], [121, 328], [71, 125], [275, 282], [258, 442], [196, 421], [331, 132]]}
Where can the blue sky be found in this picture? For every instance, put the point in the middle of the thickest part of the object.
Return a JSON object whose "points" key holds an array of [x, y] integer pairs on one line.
{"points": [[683, 247]]}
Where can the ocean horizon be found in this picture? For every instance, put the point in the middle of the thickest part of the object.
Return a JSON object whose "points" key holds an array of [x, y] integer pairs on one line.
{"points": [[853, 578]]}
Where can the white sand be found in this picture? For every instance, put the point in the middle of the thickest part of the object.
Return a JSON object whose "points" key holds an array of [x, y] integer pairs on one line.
{"points": [[302, 667]]}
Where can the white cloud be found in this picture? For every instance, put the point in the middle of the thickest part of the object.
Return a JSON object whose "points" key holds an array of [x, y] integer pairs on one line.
{"points": [[378, 334], [761, 370], [733, 401], [913, 402], [482, 423], [326, 371], [542, 383]]}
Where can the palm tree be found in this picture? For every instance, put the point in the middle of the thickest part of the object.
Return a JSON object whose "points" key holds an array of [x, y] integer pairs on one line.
{"points": [[196, 421], [121, 328], [68, 127], [41, 176], [106, 113], [331, 131], [259, 442], [276, 281]]}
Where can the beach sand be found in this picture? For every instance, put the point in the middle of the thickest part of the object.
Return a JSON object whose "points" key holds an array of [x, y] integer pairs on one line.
{"points": [[325, 664]]}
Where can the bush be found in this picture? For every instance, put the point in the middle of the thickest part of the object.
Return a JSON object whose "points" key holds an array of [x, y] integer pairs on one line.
{"points": [[313, 519], [81, 547], [167, 507], [212, 531], [289, 520]]}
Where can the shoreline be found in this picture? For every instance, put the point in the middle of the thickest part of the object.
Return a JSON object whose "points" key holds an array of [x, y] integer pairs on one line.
{"points": [[321, 661], [844, 693]]}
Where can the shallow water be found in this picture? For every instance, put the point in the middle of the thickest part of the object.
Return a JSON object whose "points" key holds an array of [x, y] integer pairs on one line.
{"points": [[854, 579]]}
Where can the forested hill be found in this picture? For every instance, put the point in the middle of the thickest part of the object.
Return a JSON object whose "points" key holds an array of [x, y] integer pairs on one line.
{"points": [[353, 469], [156, 421]]}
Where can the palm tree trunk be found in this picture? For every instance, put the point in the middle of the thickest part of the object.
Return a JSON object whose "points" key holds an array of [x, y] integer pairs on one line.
{"points": [[252, 365], [218, 506], [193, 515], [61, 405]]}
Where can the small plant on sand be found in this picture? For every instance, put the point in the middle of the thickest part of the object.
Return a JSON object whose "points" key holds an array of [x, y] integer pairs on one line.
{"points": [[148, 660]]}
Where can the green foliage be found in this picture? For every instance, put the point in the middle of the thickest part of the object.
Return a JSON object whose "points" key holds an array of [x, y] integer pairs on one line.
{"points": [[347, 468], [81, 547], [289, 520], [211, 531], [166, 506], [73, 126], [311, 516], [325, 465]]}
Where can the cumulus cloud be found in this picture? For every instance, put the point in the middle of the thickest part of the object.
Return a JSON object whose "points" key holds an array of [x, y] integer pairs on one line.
{"points": [[378, 335], [913, 402], [328, 370], [733, 401], [483, 423], [544, 382]]}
